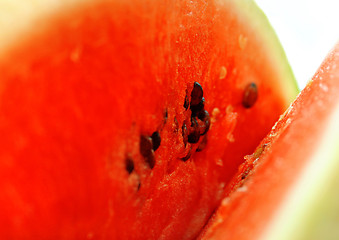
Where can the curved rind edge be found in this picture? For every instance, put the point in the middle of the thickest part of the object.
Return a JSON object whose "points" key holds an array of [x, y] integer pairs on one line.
{"points": [[260, 23], [311, 209]]}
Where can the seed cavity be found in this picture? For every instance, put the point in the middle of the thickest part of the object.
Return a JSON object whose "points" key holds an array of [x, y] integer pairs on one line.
{"points": [[156, 140], [223, 72], [242, 41], [146, 145], [146, 150], [215, 114], [250, 95], [129, 165]]}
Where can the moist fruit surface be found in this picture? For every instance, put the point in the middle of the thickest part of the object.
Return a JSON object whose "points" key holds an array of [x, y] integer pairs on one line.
{"points": [[126, 119]]}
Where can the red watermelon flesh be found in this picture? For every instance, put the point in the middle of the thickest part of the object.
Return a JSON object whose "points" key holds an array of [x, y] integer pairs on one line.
{"points": [[288, 189], [83, 92]]}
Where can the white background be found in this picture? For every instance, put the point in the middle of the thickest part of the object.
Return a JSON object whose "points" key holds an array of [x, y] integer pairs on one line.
{"points": [[307, 29]]}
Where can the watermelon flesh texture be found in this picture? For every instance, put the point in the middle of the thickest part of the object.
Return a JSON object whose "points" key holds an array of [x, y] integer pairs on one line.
{"points": [[288, 189], [81, 90]]}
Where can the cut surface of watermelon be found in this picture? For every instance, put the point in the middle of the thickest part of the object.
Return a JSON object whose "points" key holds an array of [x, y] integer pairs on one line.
{"points": [[126, 119], [288, 189]]}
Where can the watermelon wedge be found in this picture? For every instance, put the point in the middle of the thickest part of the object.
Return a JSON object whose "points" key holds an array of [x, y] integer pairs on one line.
{"points": [[288, 189], [127, 119]]}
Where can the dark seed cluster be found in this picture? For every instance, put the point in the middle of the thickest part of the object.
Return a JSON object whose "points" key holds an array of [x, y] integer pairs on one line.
{"points": [[193, 129], [199, 122], [200, 118]]}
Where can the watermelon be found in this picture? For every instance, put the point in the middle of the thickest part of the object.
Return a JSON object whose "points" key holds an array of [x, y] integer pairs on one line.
{"points": [[288, 188], [127, 119]]}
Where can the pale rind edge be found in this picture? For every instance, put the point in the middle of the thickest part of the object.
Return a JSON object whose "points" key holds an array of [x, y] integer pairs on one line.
{"points": [[311, 209], [257, 19]]}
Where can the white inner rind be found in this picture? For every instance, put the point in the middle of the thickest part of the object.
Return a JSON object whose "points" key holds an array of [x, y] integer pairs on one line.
{"points": [[311, 209]]}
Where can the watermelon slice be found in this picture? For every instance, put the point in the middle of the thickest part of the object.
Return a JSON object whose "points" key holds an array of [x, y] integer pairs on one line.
{"points": [[127, 119], [288, 189]]}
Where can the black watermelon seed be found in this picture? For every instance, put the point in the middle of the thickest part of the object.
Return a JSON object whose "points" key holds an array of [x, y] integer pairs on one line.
{"points": [[194, 135], [196, 94], [129, 165], [202, 144], [146, 145], [194, 122], [156, 140], [250, 95], [202, 115], [196, 109], [204, 123]]}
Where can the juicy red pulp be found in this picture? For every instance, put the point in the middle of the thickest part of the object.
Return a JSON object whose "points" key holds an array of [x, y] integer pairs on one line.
{"points": [[84, 96]]}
